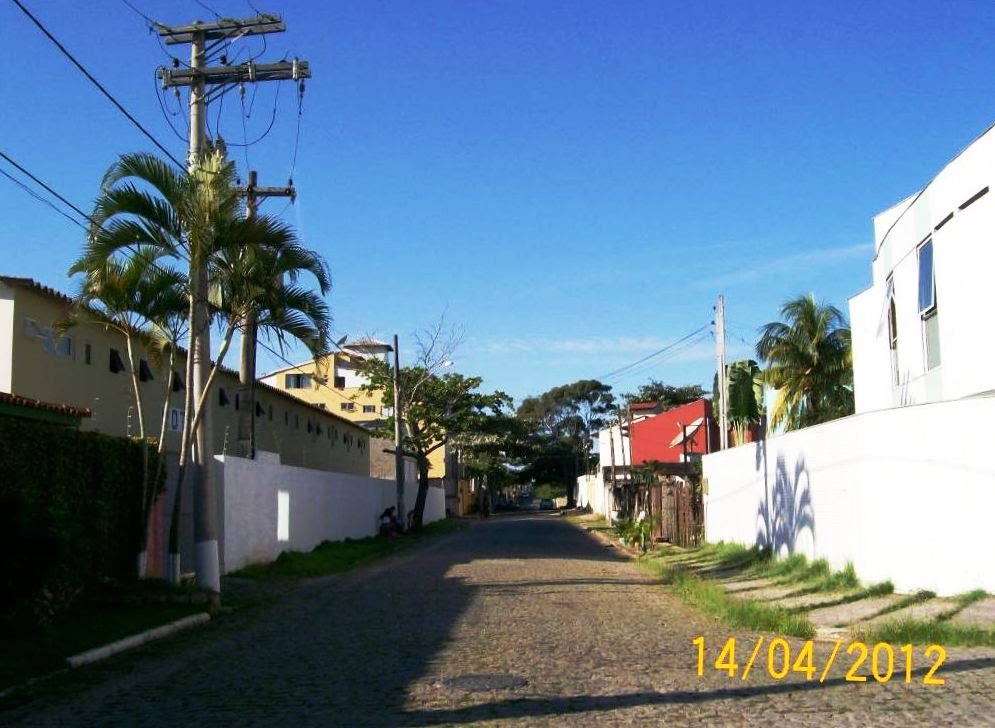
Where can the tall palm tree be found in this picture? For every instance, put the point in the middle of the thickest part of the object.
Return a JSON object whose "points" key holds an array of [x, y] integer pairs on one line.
{"points": [[809, 361], [148, 209]]}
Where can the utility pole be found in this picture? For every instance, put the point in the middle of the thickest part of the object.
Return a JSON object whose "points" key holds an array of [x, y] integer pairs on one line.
{"points": [[253, 194], [402, 515], [720, 344], [204, 38]]}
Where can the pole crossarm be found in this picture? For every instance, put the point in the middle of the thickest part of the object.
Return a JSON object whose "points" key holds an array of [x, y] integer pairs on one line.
{"points": [[260, 192], [246, 72], [221, 30]]}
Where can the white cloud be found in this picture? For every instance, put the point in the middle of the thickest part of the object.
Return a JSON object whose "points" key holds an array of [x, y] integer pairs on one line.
{"points": [[788, 263]]}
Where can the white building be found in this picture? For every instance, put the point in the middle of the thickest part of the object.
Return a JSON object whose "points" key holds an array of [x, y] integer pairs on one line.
{"points": [[922, 331]]}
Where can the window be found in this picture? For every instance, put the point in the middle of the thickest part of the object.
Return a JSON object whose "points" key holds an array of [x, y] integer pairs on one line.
{"points": [[927, 282], [286, 419], [144, 372], [222, 397], [87, 353], [269, 413], [309, 426], [297, 381], [260, 410], [928, 308], [177, 383], [893, 338], [367, 408], [64, 347], [348, 406], [340, 382], [116, 365], [297, 422], [237, 403]]}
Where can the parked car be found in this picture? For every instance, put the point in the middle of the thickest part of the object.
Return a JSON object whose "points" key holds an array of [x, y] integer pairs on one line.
{"points": [[546, 504]]}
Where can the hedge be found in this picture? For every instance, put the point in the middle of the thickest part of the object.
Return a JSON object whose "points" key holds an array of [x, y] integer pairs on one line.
{"points": [[70, 512]]}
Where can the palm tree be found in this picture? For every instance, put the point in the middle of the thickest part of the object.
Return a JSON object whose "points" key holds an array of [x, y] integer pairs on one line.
{"points": [[128, 295], [809, 362], [148, 209]]}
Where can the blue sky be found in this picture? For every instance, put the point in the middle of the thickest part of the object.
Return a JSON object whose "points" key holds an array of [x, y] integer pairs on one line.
{"points": [[572, 183]]}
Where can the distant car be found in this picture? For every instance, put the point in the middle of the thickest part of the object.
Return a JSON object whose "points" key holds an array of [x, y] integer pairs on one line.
{"points": [[546, 505]]}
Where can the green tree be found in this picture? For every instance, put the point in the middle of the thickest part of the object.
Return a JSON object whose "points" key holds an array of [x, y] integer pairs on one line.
{"points": [[435, 409], [744, 396], [563, 420], [148, 210], [668, 396], [809, 361], [129, 296]]}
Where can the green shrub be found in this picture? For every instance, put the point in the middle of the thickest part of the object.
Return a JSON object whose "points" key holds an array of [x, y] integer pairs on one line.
{"points": [[70, 513]]}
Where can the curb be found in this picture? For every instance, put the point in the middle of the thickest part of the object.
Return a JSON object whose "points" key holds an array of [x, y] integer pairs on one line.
{"points": [[135, 640]]}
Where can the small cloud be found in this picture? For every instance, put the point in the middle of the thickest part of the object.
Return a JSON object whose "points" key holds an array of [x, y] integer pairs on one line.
{"points": [[789, 263]]}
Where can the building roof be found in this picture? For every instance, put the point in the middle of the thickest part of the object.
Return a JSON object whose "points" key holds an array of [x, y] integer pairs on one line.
{"points": [[643, 405], [367, 342], [31, 283], [59, 409]]}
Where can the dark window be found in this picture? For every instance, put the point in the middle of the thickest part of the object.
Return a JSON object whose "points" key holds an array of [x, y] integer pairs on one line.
{"points": [[222, 397], [177, 383], [116, 365], [87, 353], [144, 372], [260, 411], [270, 413], [927, 281], [297, 422], [286, 419], [317, 429], [369, 408], [348, 406], [297, 381], [340, 382], [309, 426], [928, 308], [237, 400]]}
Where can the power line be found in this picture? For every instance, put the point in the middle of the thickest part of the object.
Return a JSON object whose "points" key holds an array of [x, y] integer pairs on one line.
{"points": [[41, 199], [97, 83], [686, 346], [654, 354], [47, 188]]}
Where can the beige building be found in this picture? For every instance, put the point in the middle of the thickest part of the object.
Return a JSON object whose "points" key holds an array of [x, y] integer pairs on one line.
{"points": [[334, 383], [88, 368]]}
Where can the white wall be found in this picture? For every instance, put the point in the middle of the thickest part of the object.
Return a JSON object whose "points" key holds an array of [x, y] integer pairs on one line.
{"points": [[963, 258], [323, 506], [606, 438], [6, 337], [905, 494], [594, 493]]}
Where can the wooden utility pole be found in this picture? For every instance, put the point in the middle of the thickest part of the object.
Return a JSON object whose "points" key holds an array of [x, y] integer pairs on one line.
{"points": [[253, 194], [204, 38], [720, 345], [402, 514]]}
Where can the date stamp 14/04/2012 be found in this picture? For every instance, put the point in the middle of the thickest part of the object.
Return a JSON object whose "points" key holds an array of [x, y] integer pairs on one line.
{"points": [[885, 661]]}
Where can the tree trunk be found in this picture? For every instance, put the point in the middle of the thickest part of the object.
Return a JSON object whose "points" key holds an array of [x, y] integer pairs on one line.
{"points": [[419, 511]]}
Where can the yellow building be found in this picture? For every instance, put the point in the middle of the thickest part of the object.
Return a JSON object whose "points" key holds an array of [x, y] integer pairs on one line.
{"points": [[87, 368], [334, 383]]}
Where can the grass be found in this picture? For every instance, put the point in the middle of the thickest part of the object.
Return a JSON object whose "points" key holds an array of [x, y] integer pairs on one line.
{"points": [[331, 557], [943, 633], [713, 600], [30, 651]]}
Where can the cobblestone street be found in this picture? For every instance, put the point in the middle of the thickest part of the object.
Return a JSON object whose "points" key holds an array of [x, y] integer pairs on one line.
{"points": [[524, 596]]}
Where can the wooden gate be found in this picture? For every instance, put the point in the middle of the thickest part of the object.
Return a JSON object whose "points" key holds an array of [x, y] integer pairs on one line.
{"points": [[676, 510]]}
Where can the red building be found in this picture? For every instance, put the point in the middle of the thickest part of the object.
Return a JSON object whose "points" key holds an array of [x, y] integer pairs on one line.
{"points": [[662, 437]]}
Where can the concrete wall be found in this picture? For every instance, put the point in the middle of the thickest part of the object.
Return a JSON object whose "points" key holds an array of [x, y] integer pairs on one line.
{"points": [[269, 508], [905, 494], [950, 213]]}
